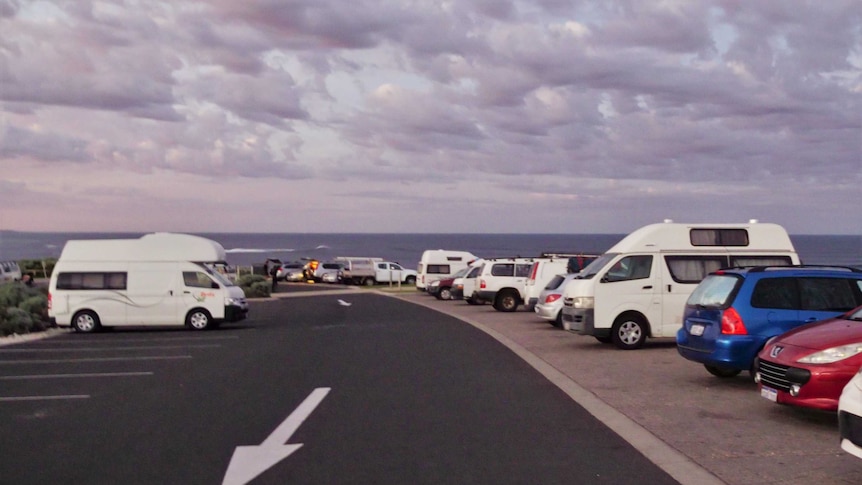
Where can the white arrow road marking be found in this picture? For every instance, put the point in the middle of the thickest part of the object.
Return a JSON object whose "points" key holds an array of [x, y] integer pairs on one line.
{"points": [[248, 462]]}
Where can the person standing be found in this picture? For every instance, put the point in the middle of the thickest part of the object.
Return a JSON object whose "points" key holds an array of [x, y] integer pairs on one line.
{"points": [[273, 271]]}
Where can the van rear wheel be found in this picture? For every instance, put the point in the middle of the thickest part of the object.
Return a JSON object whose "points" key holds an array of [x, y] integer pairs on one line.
{"points": [[86, 322], [199, 319], [506, 301], [445, 293]]}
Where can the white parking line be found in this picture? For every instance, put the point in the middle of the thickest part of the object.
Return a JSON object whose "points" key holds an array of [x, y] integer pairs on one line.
{"points": [[66, 376], [43, 398], [95, 359], [101, 349], [83, 340]]}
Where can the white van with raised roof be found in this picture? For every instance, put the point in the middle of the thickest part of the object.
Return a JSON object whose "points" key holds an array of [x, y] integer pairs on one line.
{"points": [[437, 264], [639, 287], [158, 279]]}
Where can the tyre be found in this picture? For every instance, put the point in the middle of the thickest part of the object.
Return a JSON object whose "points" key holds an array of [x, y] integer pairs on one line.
{"points": [[445, 293], [506, 301], [86, 322], [721, 371], [604, 340], [411, 280], [199, 319], [558, 322], [368, 281], [629, 332], [473, 300]]}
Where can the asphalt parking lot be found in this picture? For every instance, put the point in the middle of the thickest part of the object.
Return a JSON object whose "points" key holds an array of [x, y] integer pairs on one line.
{"points": [[723, 425]]}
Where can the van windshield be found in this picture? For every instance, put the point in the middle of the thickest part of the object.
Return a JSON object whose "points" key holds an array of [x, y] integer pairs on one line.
{"points": [[593, 268], [216, 274]]}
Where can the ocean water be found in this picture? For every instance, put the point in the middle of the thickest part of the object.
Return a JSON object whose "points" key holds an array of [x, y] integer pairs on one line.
{"points": [[254, 248]]}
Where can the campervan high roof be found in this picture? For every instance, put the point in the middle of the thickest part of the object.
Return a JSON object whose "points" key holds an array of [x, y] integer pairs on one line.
{"points": [[751, 236], [160, 246]]}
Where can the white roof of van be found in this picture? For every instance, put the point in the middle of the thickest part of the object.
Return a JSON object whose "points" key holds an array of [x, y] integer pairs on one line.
{"points": [[677, 236], [160, 246]]}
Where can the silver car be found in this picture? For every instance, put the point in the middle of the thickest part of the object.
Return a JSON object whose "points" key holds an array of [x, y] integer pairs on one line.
{"points": [[550, 304]]}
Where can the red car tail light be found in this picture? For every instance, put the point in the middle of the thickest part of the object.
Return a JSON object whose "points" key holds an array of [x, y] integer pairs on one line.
{"points": [[731, 323], [49, 301], [552, 298], [481, 283]]}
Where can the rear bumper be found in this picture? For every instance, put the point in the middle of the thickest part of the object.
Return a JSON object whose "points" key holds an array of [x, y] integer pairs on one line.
{"points": [[726, 351]]}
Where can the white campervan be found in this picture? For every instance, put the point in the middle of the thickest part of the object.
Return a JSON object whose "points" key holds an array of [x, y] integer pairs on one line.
{"points": [[437, 264], [158, 279], [639, 287]]}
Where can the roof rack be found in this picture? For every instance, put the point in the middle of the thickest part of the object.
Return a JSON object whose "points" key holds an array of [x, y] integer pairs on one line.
{"points": [[758, 269]]}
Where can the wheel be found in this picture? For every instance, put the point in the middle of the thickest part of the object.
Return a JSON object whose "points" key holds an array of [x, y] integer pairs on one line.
{"points": [[445, 293], [199, 319], [368, 281], [604, 340], [629, 332], [411, 280], [721, 371], [558, 322], [86, 322], [473, 300], [506, 301]]}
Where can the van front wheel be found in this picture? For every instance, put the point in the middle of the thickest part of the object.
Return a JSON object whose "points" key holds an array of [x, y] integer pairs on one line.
{"points": [[199, 319], [629, 332], [86, 322]]}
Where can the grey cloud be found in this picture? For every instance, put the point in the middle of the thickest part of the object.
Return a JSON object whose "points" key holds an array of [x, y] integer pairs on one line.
{"points": [[20, 143]]}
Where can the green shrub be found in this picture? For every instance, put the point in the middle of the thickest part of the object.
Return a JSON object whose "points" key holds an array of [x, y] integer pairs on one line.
{"points": [[258, 289], [23, 309]]}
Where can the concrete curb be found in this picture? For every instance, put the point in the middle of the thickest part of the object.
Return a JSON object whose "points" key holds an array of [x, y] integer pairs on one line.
{"points": [[29, 337]]}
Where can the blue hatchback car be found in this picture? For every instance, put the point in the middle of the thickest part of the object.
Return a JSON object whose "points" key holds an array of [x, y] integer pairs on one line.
{"points": [[733, 312]]}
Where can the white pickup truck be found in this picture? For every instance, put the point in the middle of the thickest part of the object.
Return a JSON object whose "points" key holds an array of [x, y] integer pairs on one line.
{"points": [[370, 271]]}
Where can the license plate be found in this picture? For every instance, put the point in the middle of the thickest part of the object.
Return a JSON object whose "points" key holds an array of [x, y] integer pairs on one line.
{"points": [[769, 393], [696, 330]]}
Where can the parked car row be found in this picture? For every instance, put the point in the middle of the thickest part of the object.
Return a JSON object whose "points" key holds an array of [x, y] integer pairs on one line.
{"points": [[735, 297]]}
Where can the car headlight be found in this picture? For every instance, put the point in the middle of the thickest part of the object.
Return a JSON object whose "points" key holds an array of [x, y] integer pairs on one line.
{"points": [[583, 302], [834, 354]]}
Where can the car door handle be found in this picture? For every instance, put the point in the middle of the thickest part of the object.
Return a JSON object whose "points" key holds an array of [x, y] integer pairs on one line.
{"points": [[812, 319], [187, 292], [649, 287]]}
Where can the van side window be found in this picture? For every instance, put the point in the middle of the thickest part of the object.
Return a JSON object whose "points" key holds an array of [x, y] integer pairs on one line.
{"points": [[197, 279], [741, 261], [523, 270], [630, 268], [719, 237], [692, 269], [827, 294], [438, 269], [777, 293], [91, 281]]}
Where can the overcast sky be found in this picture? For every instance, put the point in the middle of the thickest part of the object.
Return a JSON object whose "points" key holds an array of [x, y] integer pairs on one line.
{"points": [[549, 116]]}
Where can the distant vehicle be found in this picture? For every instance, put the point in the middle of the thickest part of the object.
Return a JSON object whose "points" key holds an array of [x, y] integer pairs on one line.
{"points": [[733, 312], [850, 416], [550, 300], [465, 289], [370, 271], [638, 288], [293, 271], [328, 268], [158, 279], [9, 271], [810, 365], [546, 268], [444, 286], [503, 282], [437, 264]]}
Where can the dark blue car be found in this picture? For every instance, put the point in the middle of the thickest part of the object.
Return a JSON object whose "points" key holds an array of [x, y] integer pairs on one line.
{"points": [[733, 312]]}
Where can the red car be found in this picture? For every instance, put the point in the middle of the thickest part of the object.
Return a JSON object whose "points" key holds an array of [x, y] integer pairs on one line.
{"points": [[810, 365]]}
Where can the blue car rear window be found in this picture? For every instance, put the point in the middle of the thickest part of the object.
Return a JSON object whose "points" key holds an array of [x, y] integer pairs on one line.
{"points": [[713, 291]]}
